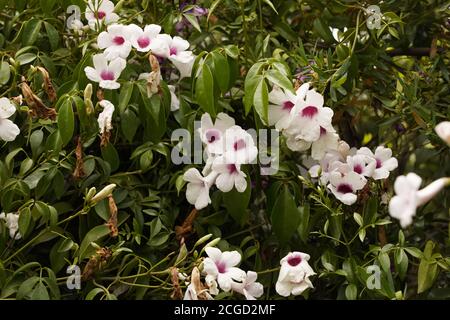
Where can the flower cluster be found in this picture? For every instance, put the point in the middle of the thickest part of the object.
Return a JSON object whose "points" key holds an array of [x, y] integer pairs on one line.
{"points": [[306, 123], [221, 271], [118, 41], [227, 148]]}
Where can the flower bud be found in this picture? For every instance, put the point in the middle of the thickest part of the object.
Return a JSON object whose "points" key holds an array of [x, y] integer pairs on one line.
{"points": [[202, 240], [91, 193], [104, 193]]}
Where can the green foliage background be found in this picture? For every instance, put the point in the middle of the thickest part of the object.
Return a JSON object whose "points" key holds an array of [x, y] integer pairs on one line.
{"points": [[386, 86]]}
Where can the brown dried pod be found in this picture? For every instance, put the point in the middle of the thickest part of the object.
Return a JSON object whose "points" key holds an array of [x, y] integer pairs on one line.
{"points": [[112, 222], [38, 108], [79, 164], [177, 294], [48, 86], [186, 228]]}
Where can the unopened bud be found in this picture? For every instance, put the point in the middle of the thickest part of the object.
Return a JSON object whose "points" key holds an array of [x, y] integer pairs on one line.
{"points": [[213, 243], [203, 240], [88, 92], [91, 193], [104, 193]]}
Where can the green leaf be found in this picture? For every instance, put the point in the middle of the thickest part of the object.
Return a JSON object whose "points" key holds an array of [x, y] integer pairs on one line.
{"points": [[5, 73], [285, 216], [31, 32], [26, 58], [427, 275], [40, 292], [351, 292], [204, 90], [268, 2], [24, 220], [66, 121], [261, 101], [249, 91], [129, 123], [47, 6], [125, 95], [279, 79], [52, 34], [212, 8], [193, 21], [93, 235], [323, 31], [221, 71], [303, 227], [110, 155], [236, 203]]}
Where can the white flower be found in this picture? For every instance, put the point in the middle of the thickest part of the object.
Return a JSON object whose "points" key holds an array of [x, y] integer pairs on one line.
{"points": [[8, 129], [222, 266], [294, 274], [328, 140], [116, 41], [191, 293], [211, 282], [175, 49], [230, 175], [345, 185], [184, 61], [100, 11], [309, 116], [282, 103], [332, 160], [408, 196], [76, 25], [443, 131], [213, 135], [362, 164], [174, 101], [197, 190], [12, 223], [105, 117], [239, 146], [249, 287], [384, 161], [105, 73], [142, 40]]}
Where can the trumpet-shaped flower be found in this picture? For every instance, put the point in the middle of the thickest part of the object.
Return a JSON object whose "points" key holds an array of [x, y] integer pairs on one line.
{"points": [[143, 40], [12, 223], [249, 287], [239, 146], [197, 192], [230, 175], [116, 41], [309, 116], [104, 72], [294, 274], [282, 103], [328, 140], [99, 12], [443, 131], [213, 134], [362, 164], [174, 101], [384, 162], [8, 129], [408, 196], [222, 266], [175, 49], [345, 185]]}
